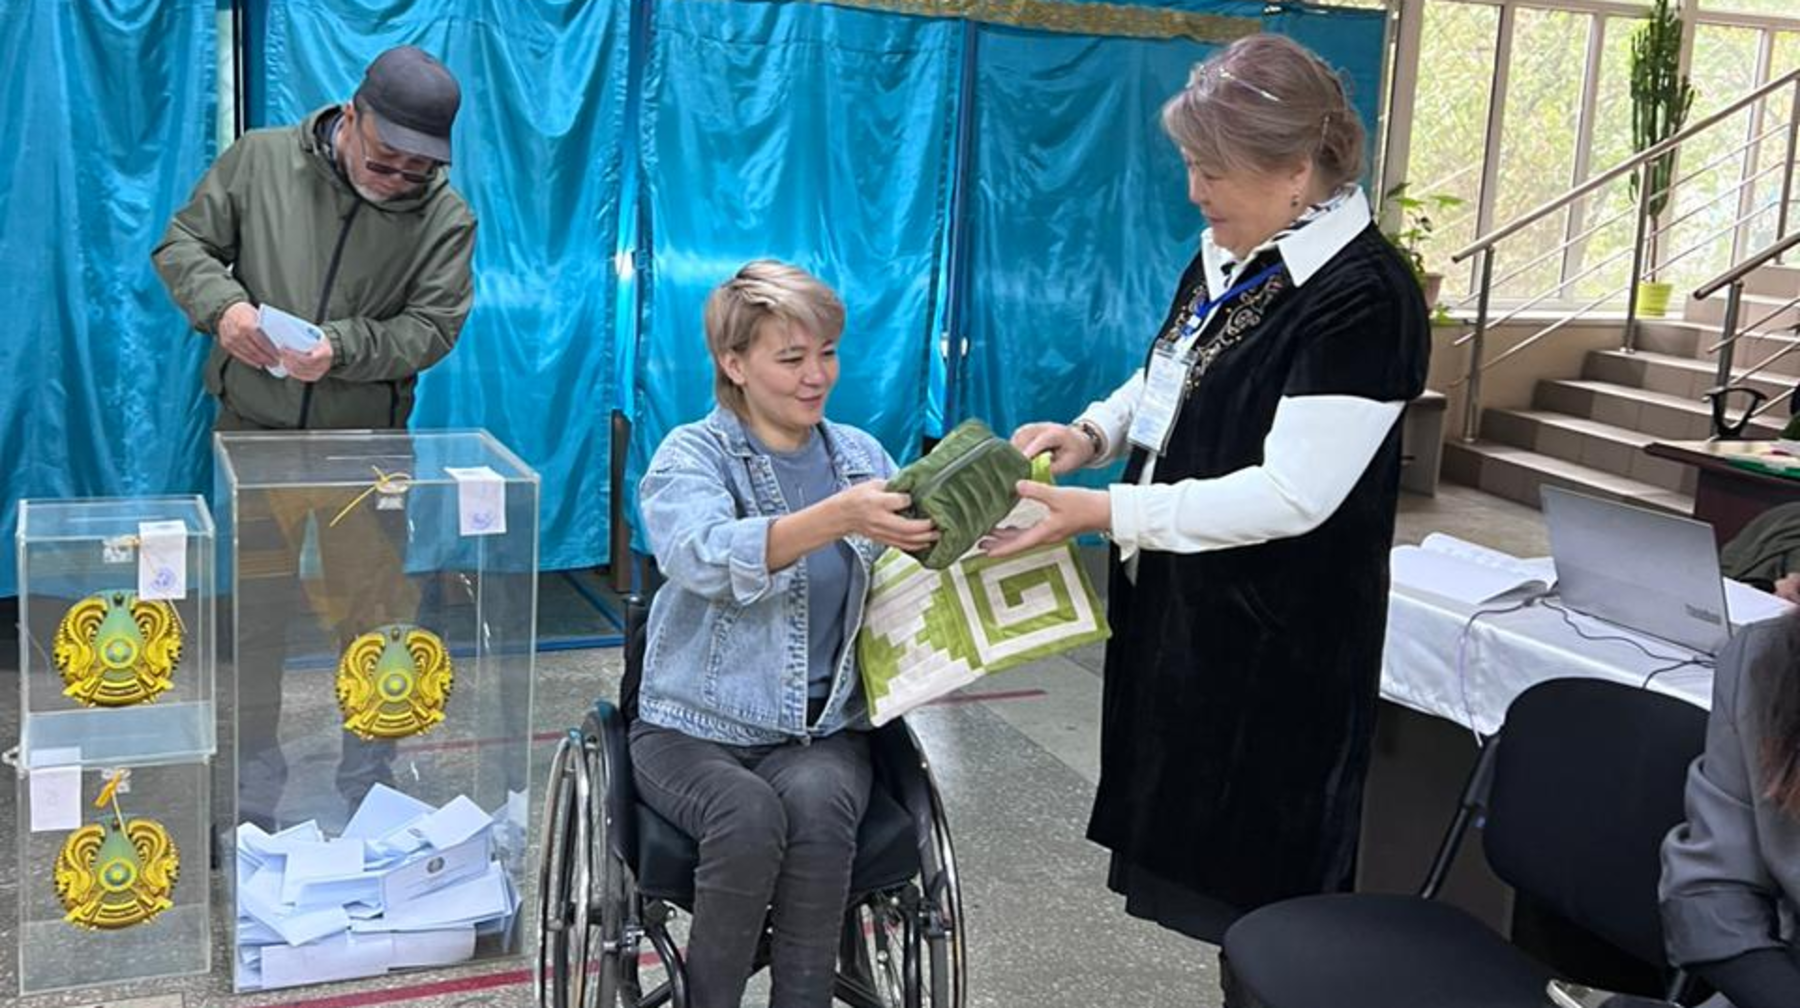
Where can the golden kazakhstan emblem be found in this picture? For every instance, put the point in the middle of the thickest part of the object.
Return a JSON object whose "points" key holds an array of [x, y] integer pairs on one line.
{"points": [[116, 872], [393, 682], [115, 649]]}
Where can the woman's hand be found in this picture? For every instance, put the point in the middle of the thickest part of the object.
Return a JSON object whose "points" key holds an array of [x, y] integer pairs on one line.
{"points": [[1073, 510], [869, 509], [1069, 448]]}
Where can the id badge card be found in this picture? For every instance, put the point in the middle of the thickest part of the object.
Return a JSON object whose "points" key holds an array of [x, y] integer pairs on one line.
{"points": [[1164, 386]]}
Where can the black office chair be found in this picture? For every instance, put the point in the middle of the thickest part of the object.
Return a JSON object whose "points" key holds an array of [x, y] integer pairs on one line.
{"points": [[1577, 793], [612, 872]]}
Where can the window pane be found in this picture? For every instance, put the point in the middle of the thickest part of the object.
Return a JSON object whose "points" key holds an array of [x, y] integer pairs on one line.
{"points": [[1537, 155], [1777, 7], [1456, 70], [1605, 254], [1777, 109], [1698, 220]]}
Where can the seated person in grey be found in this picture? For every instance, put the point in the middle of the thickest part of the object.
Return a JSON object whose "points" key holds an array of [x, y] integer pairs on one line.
{"points": [[1731, 872], [1766, 552], [766, 519]]}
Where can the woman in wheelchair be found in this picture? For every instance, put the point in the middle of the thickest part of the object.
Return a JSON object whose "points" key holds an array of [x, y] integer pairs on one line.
{"points": [[1731, 872], [765, 519]]}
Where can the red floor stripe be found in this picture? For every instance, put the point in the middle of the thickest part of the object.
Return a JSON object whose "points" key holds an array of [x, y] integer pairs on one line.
{"points": [[956, 698], [460, 985]]}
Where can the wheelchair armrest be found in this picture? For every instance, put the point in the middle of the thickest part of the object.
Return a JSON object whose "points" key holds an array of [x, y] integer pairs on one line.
{"points": [[606, 730]]}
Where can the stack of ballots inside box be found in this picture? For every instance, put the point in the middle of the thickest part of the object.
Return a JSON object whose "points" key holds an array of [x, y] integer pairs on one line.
{"points": [[405, 885]]}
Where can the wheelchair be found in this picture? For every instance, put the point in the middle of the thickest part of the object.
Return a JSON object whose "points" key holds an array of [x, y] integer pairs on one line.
{"points": [[613, 874]]}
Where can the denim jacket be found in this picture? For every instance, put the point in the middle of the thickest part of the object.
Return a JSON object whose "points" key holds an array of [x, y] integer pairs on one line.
{"points": [[726, 656]]}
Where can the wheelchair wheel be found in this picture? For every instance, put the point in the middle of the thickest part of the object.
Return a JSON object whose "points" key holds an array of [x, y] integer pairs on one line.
{"points": [[941, 917], [562, 882], [613, 940]]}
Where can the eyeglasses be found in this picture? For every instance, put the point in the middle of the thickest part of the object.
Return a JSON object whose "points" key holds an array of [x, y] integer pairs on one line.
{"points": [[379, 168]]}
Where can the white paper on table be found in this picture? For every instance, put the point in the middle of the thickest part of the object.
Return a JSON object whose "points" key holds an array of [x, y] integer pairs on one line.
{"points": [[162, 560], [1442, 567], [480, 500], [1745, 604], [481, 898], [340, 957], [320, 861], [384, 810], [55, 776], [433, 948], [287, 332], [449, 826], [434, 870]]}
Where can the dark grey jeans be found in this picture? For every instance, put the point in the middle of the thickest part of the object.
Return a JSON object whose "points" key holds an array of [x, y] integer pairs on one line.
{"points": [[776, 827]]}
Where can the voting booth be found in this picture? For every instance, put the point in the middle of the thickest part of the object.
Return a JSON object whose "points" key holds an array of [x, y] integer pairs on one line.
{"points": [[116, 740], [382, 600]]}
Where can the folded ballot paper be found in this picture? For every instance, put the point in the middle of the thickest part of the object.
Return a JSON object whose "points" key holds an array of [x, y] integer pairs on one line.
{"points": [[405, 885]]}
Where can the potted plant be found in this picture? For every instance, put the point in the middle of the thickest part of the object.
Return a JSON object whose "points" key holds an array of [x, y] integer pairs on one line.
{"points": [[1411, 225], [1660, 99]]}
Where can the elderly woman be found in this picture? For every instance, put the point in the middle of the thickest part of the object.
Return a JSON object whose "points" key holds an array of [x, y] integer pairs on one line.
{"points": [[1731, 872], [766, 518], [1249, 588]]}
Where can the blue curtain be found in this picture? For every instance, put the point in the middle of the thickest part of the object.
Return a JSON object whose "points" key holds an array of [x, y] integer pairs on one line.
{"points": [[1078, 218], [108, 110], [538, 149], [813, 134]]}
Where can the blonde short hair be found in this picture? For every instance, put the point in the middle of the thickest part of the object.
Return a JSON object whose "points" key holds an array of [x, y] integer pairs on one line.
{"points": [[1267, 103], [762, 291]]}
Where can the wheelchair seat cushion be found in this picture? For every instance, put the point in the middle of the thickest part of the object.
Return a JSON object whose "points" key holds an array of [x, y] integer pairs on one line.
{"points": [[965, 485], [1377, 951], [886, 852]]}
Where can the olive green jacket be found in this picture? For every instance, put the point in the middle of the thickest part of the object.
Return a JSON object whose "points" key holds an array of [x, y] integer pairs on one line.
{"points": [[274, 222]]}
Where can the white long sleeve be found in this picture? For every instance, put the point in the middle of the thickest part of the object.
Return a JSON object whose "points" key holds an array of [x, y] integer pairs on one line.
{"points": [[1315, 451]]}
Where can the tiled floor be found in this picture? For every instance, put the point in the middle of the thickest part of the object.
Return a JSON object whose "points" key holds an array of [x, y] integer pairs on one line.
{"points": [[1017, 770]]}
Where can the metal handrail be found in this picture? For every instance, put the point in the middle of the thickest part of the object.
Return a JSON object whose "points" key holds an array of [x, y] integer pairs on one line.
{"points": [[1745, 268], [1624, 167], [1541, 333]]}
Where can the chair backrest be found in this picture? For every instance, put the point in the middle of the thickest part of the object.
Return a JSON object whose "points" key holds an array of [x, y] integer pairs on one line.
{"points": [[637, 621], [1588, 779]]}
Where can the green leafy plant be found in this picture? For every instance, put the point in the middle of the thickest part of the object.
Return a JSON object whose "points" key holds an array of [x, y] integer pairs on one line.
{"points": [[1660, 99], [1411, 227]]}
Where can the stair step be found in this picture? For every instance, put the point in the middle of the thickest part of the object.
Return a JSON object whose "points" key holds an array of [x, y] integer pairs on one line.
{"points": [[1616, 450], [1683, 377], [1518, 474], [1662, 416], [1773, 280], [1758, 311]]}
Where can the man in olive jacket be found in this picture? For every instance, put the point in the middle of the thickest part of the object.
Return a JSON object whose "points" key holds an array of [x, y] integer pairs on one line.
{"points": [[348, 221]]}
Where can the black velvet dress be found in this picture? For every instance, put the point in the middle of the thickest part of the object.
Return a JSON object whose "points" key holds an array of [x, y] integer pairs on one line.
{"points": [[1241, 683]]}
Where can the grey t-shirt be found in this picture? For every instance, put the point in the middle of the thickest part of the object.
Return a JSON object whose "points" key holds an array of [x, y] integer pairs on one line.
{"points": [[806, 478]]}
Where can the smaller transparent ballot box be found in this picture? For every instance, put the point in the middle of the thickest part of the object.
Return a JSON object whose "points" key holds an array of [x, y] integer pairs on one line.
{"points": [[116, 606], [382, 611]]}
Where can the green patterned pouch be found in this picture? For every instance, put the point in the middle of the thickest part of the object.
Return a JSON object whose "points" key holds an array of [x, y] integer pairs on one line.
{"points": [[965, 486]]}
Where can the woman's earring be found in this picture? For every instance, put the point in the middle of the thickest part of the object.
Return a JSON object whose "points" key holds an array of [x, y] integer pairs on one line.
{"points": [[1294, 201]]}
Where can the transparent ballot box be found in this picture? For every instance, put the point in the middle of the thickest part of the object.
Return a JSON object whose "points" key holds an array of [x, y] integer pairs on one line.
{"points": [[381, 611], [113, 880], [116, 607]]}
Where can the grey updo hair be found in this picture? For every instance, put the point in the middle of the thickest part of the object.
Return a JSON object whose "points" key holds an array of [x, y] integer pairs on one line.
{"points": [[1267, 103]]}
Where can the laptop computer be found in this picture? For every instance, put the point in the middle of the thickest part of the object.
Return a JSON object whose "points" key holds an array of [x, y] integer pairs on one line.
{"points": [[1647, 571]]}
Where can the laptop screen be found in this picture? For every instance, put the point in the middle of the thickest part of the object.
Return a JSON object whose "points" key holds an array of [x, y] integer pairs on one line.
{"points": [[1648, 571]]}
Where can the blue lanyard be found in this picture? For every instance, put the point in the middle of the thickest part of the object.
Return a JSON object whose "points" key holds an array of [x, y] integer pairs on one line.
{"points": [[1197, 314]]}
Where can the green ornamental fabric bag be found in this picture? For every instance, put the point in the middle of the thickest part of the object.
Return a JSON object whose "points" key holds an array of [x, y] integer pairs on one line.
{"points": [[927, 632], [965, 486]]}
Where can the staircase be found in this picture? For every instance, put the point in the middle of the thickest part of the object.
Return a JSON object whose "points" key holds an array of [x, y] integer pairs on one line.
{"points": [[1587, 432]]}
